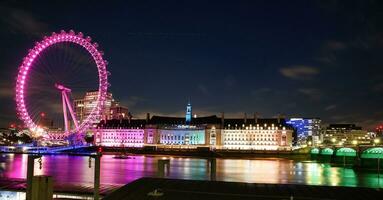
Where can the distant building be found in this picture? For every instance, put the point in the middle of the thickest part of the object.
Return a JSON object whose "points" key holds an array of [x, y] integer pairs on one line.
{"points": [[112, 110], [44, 121], [345, 134], [308, 129], [117, 111]]}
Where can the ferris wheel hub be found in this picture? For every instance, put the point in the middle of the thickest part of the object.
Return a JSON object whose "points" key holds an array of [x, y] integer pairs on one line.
{"points": [[62, 88]]}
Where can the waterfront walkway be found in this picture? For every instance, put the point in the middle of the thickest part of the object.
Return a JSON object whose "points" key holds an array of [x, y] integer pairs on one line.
{"points": [[78, 189], [170, 189]]}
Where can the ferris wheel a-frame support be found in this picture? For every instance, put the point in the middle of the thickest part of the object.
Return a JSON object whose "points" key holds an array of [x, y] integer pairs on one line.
{"points": [[66, 104]]}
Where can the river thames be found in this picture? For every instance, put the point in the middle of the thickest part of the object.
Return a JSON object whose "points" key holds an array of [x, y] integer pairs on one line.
{"points": [[74, 170]]}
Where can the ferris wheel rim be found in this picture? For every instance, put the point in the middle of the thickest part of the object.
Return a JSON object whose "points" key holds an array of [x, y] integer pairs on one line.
{"points": [[28, 62]]}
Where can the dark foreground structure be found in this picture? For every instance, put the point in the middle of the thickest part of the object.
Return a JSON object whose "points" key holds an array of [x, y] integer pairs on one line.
{"points": [[170, 189]]}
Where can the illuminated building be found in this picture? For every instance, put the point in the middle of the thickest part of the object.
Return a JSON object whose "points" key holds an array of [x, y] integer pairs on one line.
{"points": [[212, 131], [379, 130], [178, 131], [308, 129], [257, 134], [120, 133], [345, 134], [112, 109], [83, 107]]}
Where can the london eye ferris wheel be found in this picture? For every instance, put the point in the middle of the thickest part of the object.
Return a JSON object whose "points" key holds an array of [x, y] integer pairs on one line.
{"points": [[58, 69]]}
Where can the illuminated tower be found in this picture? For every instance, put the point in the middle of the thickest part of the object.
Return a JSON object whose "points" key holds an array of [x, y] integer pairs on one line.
{"points": [[188, 113]]}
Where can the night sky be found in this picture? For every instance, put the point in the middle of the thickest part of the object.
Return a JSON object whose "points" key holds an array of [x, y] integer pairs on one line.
{"points": [[297, 58]]}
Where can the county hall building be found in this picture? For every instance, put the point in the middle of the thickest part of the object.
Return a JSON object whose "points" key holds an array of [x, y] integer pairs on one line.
{"points": [[211, 131]]}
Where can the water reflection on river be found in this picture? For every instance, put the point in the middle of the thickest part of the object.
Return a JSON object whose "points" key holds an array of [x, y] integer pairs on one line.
{"points": [[75, 170]]}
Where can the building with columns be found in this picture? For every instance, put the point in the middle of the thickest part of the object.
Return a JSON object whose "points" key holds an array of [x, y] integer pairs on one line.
{"points": [[210, 131]]}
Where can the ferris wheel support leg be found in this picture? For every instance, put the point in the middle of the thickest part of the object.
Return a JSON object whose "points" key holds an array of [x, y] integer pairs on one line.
{"points": [[64, 111], [71, 110]]}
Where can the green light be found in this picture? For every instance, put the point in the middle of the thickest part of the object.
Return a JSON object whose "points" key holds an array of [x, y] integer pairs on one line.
{"points": [[346, 152], [327, 151], [314, 151], [376, 152]]}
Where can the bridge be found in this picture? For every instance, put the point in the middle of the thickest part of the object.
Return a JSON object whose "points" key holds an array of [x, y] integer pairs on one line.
{"points": [[349, 151], [360, 156], [39, 150]]}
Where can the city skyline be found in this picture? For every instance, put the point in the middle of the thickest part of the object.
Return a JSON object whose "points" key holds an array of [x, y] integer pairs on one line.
{"points": [[314, 59]]}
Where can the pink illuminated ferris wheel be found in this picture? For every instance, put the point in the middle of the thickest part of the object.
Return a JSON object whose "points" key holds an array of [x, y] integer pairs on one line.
{"points": [[57, 70]]}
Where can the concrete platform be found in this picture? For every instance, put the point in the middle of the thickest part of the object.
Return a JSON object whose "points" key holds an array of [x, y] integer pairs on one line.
{"points": [[214, 190], [62, 188]]}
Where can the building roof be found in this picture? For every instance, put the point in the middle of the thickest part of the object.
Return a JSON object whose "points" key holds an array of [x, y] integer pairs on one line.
{"points": [[181, 120], [123, 123], [213, 119], [344, 126], [261, 121]]}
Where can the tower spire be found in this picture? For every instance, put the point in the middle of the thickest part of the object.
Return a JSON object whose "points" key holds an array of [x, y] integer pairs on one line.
{"points": [[188, 116]]}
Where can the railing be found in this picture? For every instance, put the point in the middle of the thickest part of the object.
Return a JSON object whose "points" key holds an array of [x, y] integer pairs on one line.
{"points": [[38, 150]]}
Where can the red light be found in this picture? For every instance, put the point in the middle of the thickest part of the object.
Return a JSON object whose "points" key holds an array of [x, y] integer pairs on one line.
{"points": [[99, 150], [13, 125], [42, 114]]}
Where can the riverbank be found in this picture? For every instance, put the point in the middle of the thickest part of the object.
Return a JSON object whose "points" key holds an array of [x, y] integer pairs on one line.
{"points": [[200, 152], [169, 189]]}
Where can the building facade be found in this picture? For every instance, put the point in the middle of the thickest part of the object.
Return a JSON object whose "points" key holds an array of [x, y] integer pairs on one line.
{"points": [[307, 129], [211, 131], [112, 110], [346, 134], [257, 137]]}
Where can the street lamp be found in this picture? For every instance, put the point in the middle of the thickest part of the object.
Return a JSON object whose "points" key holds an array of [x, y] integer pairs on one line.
{"points": [[333, 140], [376, 141], [354, 142]]}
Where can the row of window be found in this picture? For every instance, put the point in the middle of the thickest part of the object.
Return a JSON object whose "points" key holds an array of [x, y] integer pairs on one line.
{"points": [[250, 143], [251, 139], [105, 137], [122, 141], [123, 133], [178, 137]]}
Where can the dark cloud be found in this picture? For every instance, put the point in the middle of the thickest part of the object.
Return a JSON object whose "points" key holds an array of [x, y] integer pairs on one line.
{"points": [[299, 72], [312, 93], [203, 89], [20, 21], [330, 107]]}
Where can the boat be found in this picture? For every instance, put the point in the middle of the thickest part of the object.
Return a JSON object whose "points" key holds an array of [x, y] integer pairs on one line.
{"points": [[123, 156]]}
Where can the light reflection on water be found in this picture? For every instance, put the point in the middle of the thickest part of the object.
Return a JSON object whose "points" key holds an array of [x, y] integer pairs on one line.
{"points": [[67, 169]]}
